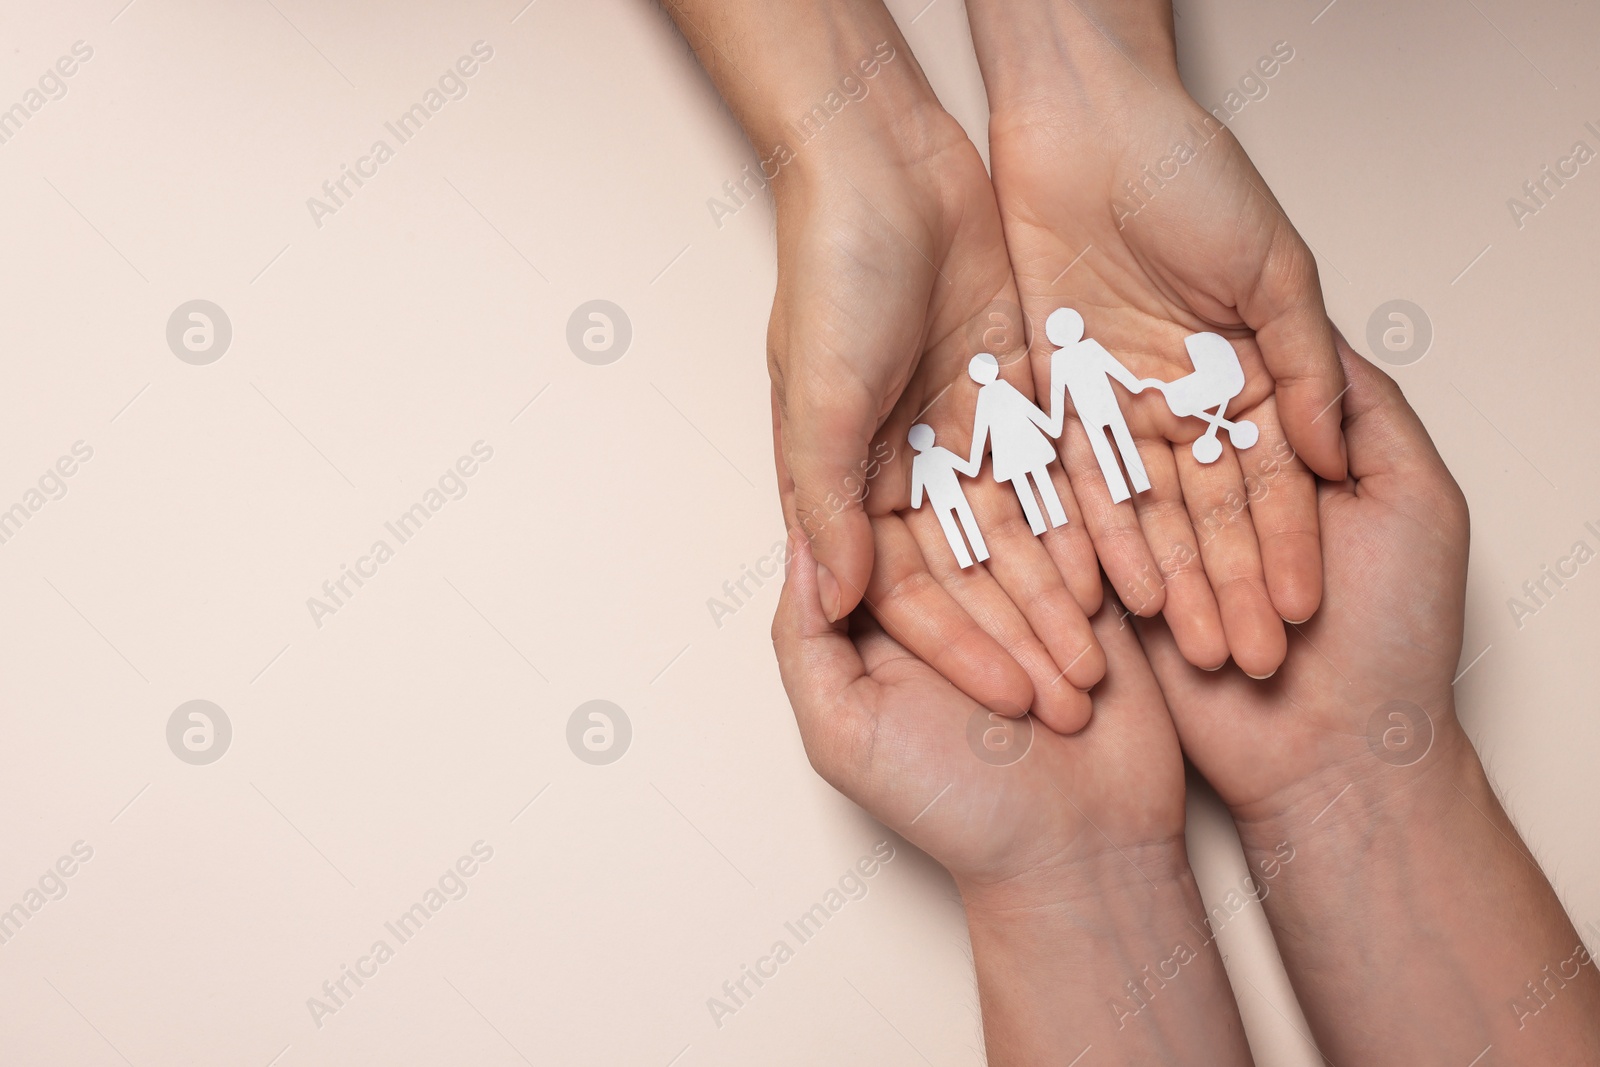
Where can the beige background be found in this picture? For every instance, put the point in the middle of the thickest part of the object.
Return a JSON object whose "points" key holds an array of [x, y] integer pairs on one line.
{"points": [[368, 354]]}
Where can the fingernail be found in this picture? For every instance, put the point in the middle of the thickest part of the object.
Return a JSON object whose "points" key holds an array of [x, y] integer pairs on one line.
{"points": [[828, 590], [1298, 622], [1262, 677]]}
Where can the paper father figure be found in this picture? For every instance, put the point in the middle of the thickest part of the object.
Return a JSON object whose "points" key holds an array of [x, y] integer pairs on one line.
{"points": [[1085, 369]]}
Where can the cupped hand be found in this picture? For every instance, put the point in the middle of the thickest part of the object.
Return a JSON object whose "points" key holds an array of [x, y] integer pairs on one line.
{"points": [[997, 801], [1382, 651], [892, 273], [1130, 204]]}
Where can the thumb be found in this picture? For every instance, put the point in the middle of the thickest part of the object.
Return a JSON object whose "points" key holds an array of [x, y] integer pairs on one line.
{"points": [[822, 671], [1296, 340], [825, 451]]}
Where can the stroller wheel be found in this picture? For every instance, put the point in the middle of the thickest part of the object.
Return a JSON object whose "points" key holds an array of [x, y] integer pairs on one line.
{"points": [[1244, 434], [1208, 449]]}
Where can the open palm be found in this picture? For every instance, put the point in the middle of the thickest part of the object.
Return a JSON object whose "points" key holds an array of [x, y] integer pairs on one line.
{"points": [[888, 277], [993, 799], [1226, 550], [1381, 653]]}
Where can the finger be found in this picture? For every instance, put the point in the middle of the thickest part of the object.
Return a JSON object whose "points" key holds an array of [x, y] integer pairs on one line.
{"points": [[1056, 702], [1190, 607], [1022, 566], [1286, 312], [822, 671], [927, 621], [1283, 510], [826, 425], [1072, 548], [1119, 541], [1220, 514], [878, 650]]}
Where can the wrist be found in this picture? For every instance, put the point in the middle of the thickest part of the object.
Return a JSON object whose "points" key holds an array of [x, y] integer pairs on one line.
{"points": [[1075, 887], [1407, 899], [881, 132], [812, 80], [1041, 55], [1371, 796], [1109, 953]]}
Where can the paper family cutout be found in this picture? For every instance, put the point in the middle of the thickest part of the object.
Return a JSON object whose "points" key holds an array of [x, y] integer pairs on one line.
{"points": [[1020, 434]]}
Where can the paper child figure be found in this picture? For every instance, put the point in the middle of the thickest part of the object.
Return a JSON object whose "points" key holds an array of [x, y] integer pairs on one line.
{"points": [[1016, 429], [1085, 369], [933, 469], [1216, 380]]}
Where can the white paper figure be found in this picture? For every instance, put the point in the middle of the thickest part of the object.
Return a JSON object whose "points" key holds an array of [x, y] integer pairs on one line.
{"points": [[1085, 369], [1016, 430], [1216, 380], [933, 469]]}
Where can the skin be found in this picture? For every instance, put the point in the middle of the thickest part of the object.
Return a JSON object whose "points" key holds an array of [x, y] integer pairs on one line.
{"points": [[891, 263], [1070, 860], [893, 269], [1412, 904], [1083, 97]]}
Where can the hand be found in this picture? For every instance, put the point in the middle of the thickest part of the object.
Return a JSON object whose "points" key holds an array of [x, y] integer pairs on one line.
{"points": [[1068, 851], [1225, 550], [1411, 903], [891, 266], [892, 734], [1390, 628], [890, 262]]}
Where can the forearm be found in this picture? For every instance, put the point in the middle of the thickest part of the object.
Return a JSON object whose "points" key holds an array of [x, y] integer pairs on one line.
{"points": [[1113, 957], [1413, 906], [789, 68], [1077, 48]]}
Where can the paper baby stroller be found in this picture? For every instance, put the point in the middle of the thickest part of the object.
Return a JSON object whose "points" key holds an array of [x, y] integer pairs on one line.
{"points": [[1206, 393]]}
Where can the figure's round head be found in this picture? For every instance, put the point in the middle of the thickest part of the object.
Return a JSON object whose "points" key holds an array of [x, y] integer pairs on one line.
{"points": [[1064, 327], [984, 368], [921, 437]]}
